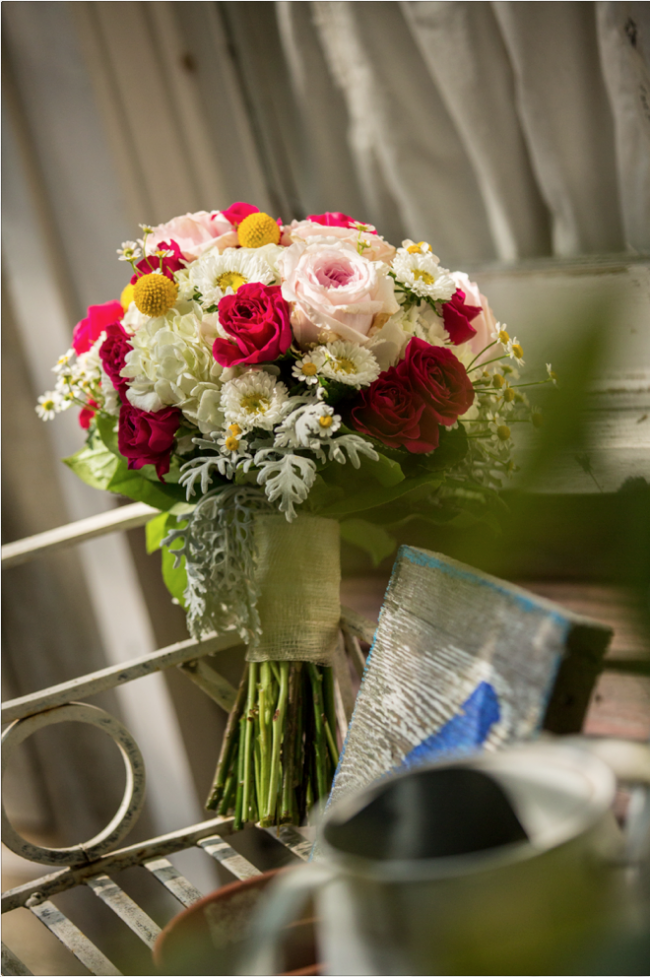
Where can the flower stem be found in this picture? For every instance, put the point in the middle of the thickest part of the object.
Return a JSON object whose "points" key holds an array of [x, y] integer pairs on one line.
{"points": [[320, 753], [228, 744], [238, 820], [287, 806], [249, 732], [278, 730]]}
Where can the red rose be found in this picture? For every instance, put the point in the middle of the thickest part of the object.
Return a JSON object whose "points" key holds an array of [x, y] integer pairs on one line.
{"points": [[112, 353], [334, 218], [89, 330], [87, 413], [457, 315], [146, 437], [390, 411], [439, 378], [169, 265], [236, 212], [257, 318]]}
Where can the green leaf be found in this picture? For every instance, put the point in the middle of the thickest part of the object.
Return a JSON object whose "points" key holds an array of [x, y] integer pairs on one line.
{"points": [[160, 495], [175, 580], [371, 498], [94, 465], [369, 537], [155, 531]]}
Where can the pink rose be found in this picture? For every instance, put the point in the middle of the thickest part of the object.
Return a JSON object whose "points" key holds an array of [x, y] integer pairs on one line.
{"points": [[334, 218], [376, 249], [258, 320], [146, 437], [195, 233], [333, 289], [88, 330], [236, 212], [457, 317], [485, 321]]}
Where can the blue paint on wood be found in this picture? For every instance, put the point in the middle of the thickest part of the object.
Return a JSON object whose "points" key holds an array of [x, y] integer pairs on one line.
{"points": [[465, 732]]}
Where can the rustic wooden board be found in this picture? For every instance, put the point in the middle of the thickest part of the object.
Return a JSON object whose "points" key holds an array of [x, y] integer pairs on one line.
{"points": [[463, 661]]}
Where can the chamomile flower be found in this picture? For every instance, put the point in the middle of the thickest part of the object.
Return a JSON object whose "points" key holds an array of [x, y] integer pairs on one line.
{"points": [[420, 273], [551, 374], [253, 400], [306, 369], [500, 334], [48, 406], [232, 443], [130, 251], [344, 362], [515, 351], [217, 274]]}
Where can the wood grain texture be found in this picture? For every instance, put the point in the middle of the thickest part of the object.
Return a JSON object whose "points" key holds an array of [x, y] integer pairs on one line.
{"points": [[446, 631]]}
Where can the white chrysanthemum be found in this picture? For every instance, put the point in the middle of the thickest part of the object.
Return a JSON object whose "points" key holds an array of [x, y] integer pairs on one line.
{"points": [[421, 274], [346, 363], [169, 363], [254, 400], [215, 275]]}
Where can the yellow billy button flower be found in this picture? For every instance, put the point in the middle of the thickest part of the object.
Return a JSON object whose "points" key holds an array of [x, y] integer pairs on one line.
{"points": [[127, 296], [154, 294], [256, 230], [326, 420], [503, 432]]}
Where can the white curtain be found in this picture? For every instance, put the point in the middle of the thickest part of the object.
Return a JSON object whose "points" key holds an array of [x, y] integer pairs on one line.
{"points": [[495, 130]]}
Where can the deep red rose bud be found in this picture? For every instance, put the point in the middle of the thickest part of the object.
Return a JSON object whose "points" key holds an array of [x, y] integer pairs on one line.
{"points": [[390, 411], [112, 353], [147, 437], [457, 316], [237, 211], [88, 330], [169, 265], [439, 377], [257, 319]]}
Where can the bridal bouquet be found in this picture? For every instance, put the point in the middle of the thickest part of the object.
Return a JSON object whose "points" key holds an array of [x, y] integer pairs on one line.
{"points": [[267, 386]]}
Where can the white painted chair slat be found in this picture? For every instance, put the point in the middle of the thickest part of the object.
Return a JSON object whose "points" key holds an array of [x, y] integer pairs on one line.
{"points": [[208, 679], [180, 887], [124, 907], [287, 835], [108, 678], [124, 517], [73, 939], [12, 966], [220, 850]]}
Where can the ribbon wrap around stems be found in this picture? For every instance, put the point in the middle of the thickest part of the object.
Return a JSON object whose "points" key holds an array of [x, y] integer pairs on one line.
{"points": [[299, 576]]}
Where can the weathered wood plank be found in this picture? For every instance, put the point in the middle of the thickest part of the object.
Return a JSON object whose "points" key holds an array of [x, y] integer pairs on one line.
{"points": [[175, 841], [292, 839], [220, 850], [124, 517], [463, 661], [72, 938], [180, 887], [12, 965], [123, 906], [108, 678], [203, 673]]}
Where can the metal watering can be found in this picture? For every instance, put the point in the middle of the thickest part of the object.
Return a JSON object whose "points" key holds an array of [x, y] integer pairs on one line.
{"points": [[503, 863]]}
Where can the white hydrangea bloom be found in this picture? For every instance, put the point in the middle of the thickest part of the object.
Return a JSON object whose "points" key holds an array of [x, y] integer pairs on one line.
{"points": [[422, 274], [255, 399], [170, 364], [215, 275]]}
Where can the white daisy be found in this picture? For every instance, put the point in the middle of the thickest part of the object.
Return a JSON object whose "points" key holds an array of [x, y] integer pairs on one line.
{"points": [[420, 272], [253, 400], [344, 362], [48, 406], [217, 274]]}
